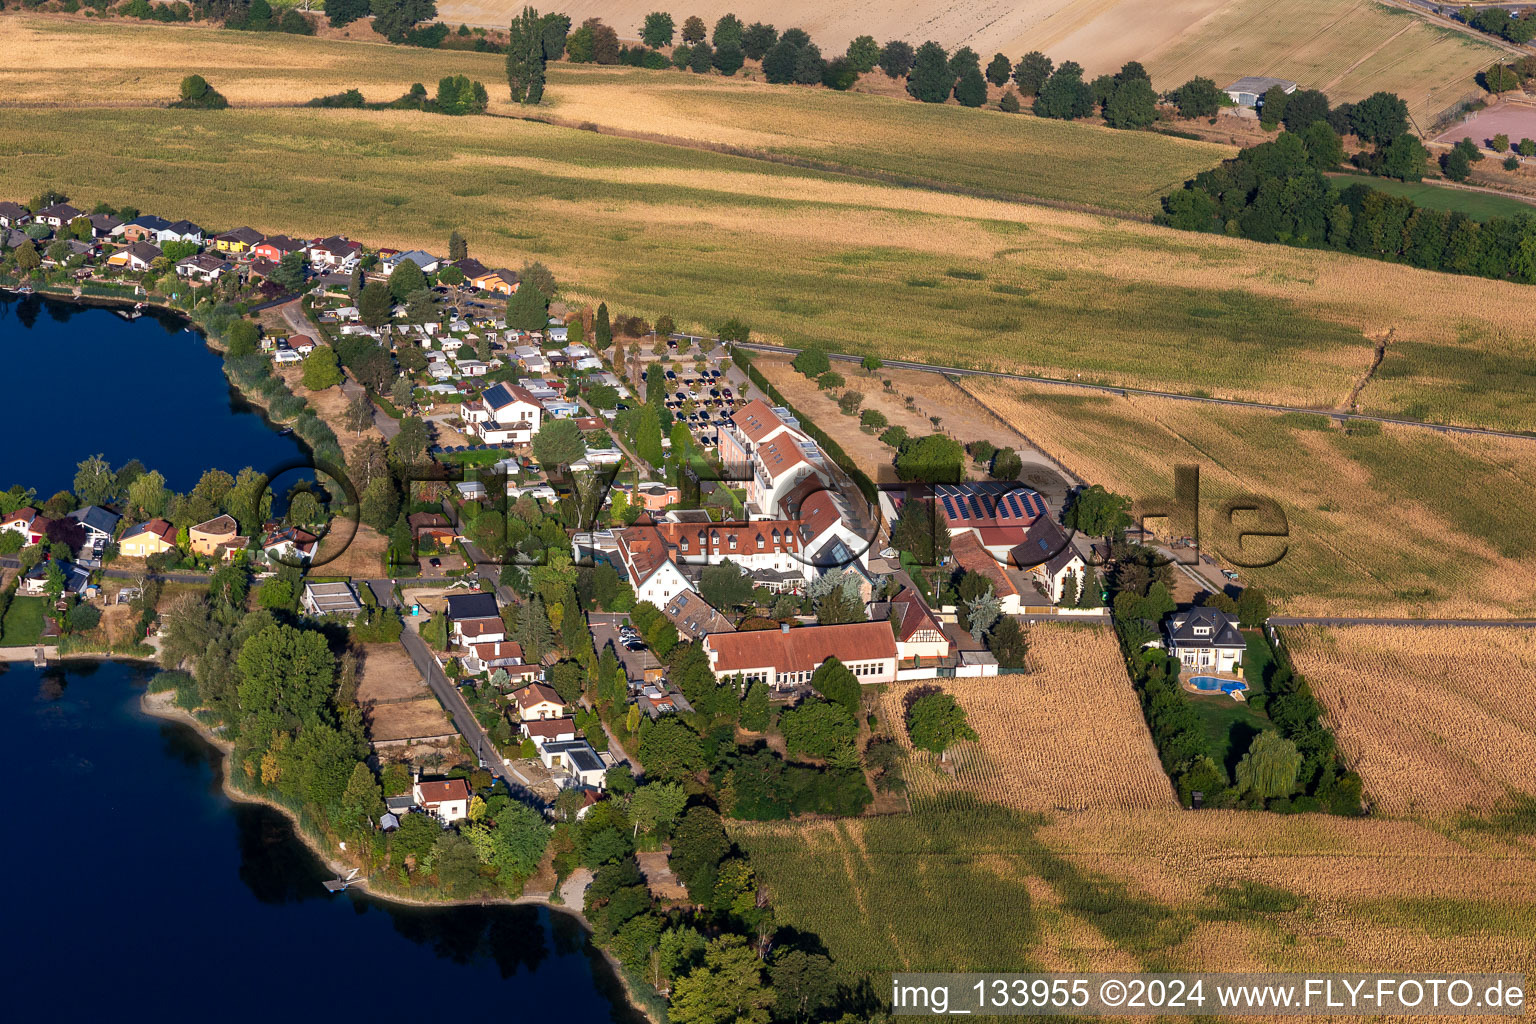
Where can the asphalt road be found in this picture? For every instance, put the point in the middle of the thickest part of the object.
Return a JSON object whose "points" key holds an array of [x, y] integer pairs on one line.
{"points": [[1324, 621], [448, 694]]}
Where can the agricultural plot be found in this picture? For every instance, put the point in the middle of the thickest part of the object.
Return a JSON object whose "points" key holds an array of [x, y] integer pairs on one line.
{"points": [[1147, 889], [1067, 735], [1347, 48], [1438, 722], [1454, 545]]}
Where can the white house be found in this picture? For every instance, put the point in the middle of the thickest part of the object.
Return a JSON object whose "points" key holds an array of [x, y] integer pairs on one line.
{"points": [[536, 702], [1248, 91], [180, 231], [474, 619], [548, 730], [291, 546], [785, 657], [778, 455], [203, 267], [446, 800], [425, 260], [919, 634], [137, 256], [1205, 639], [646, 560], [505, 413], [99, 524], [575, 763]]}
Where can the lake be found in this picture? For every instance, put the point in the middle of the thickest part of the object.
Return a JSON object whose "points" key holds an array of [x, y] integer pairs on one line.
{"points": [[85, 380], [141, 891]]}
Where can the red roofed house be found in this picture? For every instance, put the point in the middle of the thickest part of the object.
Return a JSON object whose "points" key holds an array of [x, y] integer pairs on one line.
{"points": [[919, 633], [147, 539], [646, 559], [536, 701], [28, 522], [446, 800], [549, 730], [972, 557], [787, 657], [997, 512], [779, 455]]}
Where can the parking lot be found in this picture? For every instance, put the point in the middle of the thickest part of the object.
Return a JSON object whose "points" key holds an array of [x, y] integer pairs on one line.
{"points": [[637, 664], [702, 402]]}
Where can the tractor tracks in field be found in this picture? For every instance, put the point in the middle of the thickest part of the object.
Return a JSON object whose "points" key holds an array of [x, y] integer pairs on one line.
{"points": [[1352, 404]]}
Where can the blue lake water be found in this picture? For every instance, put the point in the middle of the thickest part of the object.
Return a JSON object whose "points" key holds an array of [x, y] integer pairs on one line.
{"points": [[141, 893], [81, 380]]}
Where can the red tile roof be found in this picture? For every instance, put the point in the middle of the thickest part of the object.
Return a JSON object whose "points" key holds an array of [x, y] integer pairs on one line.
{"points": [[915, 615], [550, 728], [434, 793], [967, 550], [498, 650], [801, 649], [780, 455], [535, 693], [756, 420]]}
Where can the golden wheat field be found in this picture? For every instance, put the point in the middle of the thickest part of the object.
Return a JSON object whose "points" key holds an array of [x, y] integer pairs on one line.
{"points": [[1438, 722], [1403, 521], [1066, 736]]}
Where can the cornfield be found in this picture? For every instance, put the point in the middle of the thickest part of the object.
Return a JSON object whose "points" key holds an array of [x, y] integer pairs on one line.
{"points": [[1455, 545], [1066, 736], [1437, 721]]}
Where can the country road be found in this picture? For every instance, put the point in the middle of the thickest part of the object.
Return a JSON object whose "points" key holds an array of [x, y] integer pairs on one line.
{"points": [[1108, 389], [1343, 621]]}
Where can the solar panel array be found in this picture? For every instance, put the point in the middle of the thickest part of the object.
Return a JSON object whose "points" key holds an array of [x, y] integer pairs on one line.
{"points": [[992, 500]]}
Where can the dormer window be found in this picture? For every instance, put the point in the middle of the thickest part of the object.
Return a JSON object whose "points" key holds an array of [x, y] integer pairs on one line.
{"points": [[1202, 631], [760, 541], [733, 542]]}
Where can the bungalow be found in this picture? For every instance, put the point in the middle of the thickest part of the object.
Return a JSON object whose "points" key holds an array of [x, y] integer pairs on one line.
{"points": [[1206, 639], [259, 269], [204, 267], [238, 242], [425, 260], [471, 268], [474, 619], [219, 538], [181, 231], [472, 490], [147, 539], [786, 657], [74, 247], [654, 496], [275, 247], [76, 579], [331, 599], [104, 225], [557, 332], [99, 525], [577, 761], [502, 282], [335, 253], [138, 256], [291, 546], [145, 229], [446, 800], [57, 215], [549, 730], [538, 701], [10, 238], [13, 215]]}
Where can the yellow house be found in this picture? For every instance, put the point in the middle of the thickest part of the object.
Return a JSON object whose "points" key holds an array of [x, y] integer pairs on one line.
{"points": [[147, 539], [238, 241], [213, 538], [503, 282]]}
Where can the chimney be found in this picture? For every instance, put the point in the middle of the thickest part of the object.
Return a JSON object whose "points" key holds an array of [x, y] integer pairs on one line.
{"points": [[783, 627]]}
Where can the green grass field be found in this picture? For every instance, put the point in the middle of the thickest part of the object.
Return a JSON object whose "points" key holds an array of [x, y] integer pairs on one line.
{"points": [[23, 625], [1477, 205]]}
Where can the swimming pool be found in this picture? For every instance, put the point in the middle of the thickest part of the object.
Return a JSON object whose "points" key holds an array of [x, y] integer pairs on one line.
{"points": [[1211, 684]]}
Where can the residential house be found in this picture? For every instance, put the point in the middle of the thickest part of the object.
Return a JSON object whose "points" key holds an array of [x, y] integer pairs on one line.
{"points": [[557, 332], [238, 242], [13, 215], [645, 558], [291, 546], [1249, 91], [73, 247], [1050, 557], [501, 654], [472, 490], [1206, 640], [137, 256], [145, 229], [470, 267], [334, 253], [29, 522], [258, 269], [303, 344], [433, 525], [536, 701], [337, 598], [968, 553], [218, 538], [504, 414], [474, 619], [777, 456], [549, 730], [203, 267], [104, 225], [577, 763], [57, 216], [501, 282], [99, 524], [425, 260], [180, 231], [695, 617], [919, 633], [655, 496], [786, 657], [446, 800], [828, 540], [274, 247], [77, 579], [147, 539]]}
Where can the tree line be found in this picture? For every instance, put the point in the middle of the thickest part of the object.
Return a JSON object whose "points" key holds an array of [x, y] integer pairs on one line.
{"points": [[1278, 191]]}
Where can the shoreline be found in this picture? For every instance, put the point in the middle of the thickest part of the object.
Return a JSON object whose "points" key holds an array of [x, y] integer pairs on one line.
{"points": [[159, 705]]}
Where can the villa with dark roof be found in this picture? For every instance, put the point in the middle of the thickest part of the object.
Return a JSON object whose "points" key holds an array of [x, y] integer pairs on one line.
{"points": [[1206, 640]]}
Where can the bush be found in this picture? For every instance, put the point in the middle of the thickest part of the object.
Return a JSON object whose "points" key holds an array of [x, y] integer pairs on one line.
{"points": [[829, 380], [1009, 104], [812, 362], [1511, 163], [197, 94]]}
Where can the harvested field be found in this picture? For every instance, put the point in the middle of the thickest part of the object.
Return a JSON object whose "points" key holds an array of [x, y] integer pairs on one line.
{"points": [[1067, 736], [1455, 544], [1438, 722], [387, 675]]}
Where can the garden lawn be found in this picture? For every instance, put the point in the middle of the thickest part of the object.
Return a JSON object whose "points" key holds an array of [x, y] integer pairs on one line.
{"points": [[1477, 205], [23, 624]]}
